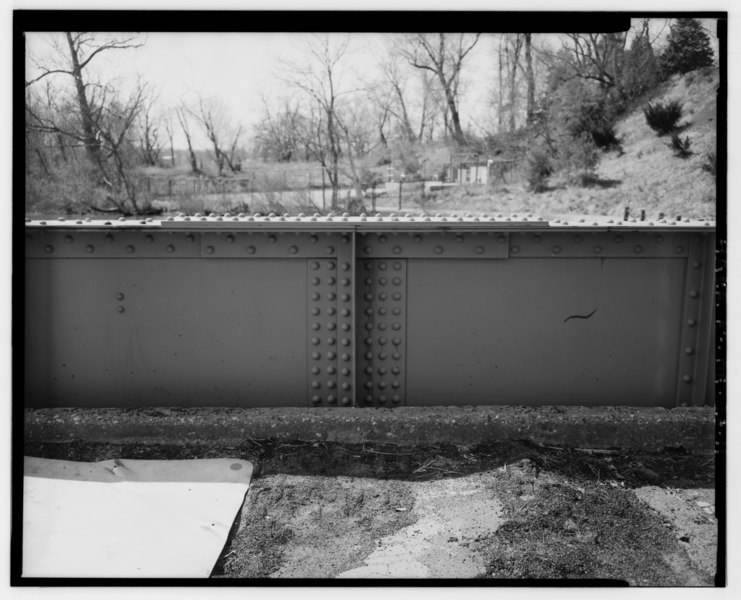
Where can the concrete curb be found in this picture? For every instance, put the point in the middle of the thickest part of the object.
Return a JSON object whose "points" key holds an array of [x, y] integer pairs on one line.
{"points": [[628, 428]]}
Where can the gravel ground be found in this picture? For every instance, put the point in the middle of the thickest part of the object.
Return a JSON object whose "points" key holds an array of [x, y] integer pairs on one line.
{"points": [[511, 511]]}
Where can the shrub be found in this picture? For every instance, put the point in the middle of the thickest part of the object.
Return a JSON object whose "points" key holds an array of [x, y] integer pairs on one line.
{"points": [[605, 138], [708, 164], [538, 169], [681, 146], [663, 118]]}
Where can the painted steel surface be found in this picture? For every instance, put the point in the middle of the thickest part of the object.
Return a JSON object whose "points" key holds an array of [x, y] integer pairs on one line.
{"points": [[369, 311]]}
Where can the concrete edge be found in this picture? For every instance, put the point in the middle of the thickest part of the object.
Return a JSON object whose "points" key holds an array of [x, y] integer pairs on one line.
{"points": [[628, 428]]}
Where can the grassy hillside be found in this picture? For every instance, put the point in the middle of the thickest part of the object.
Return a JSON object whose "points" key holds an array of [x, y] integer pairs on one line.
{"points": [[645, 176]]}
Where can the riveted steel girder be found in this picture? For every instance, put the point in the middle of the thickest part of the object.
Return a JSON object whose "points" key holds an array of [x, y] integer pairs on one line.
{"points": [[368, 311]]}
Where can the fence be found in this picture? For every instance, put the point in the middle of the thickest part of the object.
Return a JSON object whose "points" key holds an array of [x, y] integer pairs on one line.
{"points": [[368, 312]]}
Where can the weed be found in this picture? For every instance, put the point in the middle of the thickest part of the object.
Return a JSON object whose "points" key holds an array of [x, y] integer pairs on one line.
{"points": [[538, 169], [681, 147], [708, 164]]}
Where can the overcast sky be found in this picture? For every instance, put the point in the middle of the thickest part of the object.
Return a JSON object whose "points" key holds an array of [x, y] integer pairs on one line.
{"points": [[243, 68]]}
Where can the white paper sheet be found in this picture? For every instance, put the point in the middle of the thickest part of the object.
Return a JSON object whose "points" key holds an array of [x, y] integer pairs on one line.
{"points": [[129, 518]]}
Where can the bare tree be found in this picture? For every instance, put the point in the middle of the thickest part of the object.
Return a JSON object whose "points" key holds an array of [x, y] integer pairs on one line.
{"points": [[220, 130], [443, 54], [102, 122], [149, 129], [181, 112], [168, 123], [319, 80]]}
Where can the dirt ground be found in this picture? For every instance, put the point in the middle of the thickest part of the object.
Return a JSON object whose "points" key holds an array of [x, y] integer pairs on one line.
{"points": [[504, 511]]}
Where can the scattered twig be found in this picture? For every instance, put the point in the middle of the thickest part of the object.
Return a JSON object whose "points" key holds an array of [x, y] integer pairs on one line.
{"points": [[388, 453]]}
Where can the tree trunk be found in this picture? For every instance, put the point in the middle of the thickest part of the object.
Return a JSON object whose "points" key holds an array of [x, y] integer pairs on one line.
{"points": [[530, 80], [92, 145]]}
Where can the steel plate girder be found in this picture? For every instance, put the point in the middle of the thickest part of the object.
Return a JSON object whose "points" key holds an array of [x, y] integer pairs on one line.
{"points": [[94, 309]]}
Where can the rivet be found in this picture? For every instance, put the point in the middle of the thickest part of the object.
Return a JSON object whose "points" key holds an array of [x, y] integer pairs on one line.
{"points": [[689, 351], [315, 265], [480, 249], [331, 341], [397, 296], [382, 296], [536, 239], [687, 379], [382, 326], [120, 309], [331, 265], [382, 239], [119, 296], [315, 281], [170, 248], [272, 239], [89, 249], [331, 281], [345, 399], [382, 266], [49, 249], [696, 265], [381, 385], [382, 370], [130, 249], [315, 370], [694, 294], [331, 326], [459, 239], [251, 249], [314, 239], [396, 356], [396, 341], [396, 399], [397, 249], [438, 249], [345, 371], [382, 311], [345, 327], [577, 238], [396, 370], [345, 281], [316, 341], [316, 355], [316, 326], [190, 237], [345, 312], [395, 385], [331, 355], [368, 341], [346, 357], [345, 266], [382, 356], [691, 322], [293, 249], [679, 249], [149, 238], [597, 249], [556, 249], [316, 385], [382, 340], [330, 249], [382, 399], [619, 239], [417, 239], [397, 266], [315, 399], [396, 326], [369, 385], [638, 249], [68, 238], [382, 281], [331, 384], [515, 250], [396, 311], [369, 399]]}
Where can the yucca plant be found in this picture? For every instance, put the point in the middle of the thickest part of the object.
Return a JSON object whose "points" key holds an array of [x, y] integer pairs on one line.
{"points": [[663, 118], [681, 146]]}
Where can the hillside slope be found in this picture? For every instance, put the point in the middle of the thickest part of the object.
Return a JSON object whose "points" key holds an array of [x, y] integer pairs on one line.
{"points": [[645, 176]]}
